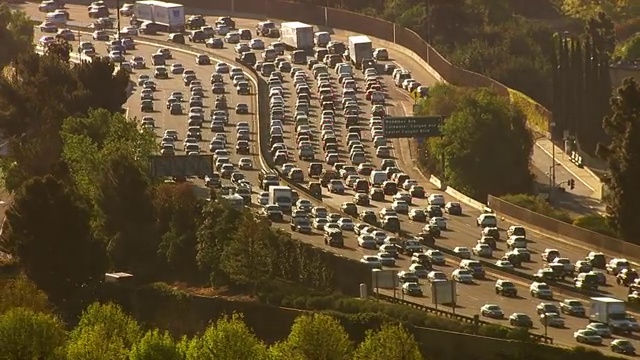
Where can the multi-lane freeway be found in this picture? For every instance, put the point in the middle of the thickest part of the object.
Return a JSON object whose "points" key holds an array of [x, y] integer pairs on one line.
{"points": [[462, 229]]}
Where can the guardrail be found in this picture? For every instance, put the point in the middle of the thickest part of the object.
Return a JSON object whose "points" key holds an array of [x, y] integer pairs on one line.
{"points": [[474, 320]]}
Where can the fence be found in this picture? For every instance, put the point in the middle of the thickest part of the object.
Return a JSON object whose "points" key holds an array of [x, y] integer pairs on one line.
{"points": [[595, 240], [475, 320]]}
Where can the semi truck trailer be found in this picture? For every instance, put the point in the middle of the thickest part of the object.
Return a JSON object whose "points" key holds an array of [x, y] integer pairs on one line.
{"points": [[297, 35], [168, 17], [360, 48]]}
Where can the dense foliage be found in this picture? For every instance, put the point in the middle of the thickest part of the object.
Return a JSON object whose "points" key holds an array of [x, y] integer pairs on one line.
{"points": [[623, 157], [485, 142]]}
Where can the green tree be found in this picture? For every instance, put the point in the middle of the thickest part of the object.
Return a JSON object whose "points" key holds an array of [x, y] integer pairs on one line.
{"points": [[96, 343], [46, 218], [623, 157], [629, 50], [482, 136], [219, 223], [16, 34], [155, 345], [60, 49], [178, 214], [110, 321], [229, 338], [315, 337], [21, 292], [390, 342], [247, 257], [25, 334]]}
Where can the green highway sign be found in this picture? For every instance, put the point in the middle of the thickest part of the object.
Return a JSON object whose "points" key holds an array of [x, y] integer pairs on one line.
{"points": [[412, 126], [181, 165]]}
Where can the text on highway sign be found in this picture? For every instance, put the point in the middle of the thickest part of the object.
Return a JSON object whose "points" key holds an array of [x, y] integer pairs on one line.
{"points": [[412, 126]]}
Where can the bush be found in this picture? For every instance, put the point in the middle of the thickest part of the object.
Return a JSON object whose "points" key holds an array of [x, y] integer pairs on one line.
{"points": [[596, 223], [538, 205]]}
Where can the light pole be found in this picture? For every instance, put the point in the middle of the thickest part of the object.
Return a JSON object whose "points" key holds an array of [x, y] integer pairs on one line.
{"points": [[552, 171], [118, 19]]}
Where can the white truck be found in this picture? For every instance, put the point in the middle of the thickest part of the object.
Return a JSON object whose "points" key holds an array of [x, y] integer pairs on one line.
{"points": [[281, 196], [360, 48], [297, 35], [168, 17], [610, 311]]}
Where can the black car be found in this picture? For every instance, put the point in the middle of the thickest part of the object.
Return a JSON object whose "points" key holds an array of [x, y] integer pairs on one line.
{"points": [[242, 147], [197, 36], [176, 38], [195, 22], [214, 43], [245, 34], [434, 211]]}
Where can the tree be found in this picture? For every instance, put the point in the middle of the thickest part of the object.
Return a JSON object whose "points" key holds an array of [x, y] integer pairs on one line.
{"points": [[96, 343], [228, 339], [16, 34], [46, 218], [482, 136], [219, 224], [155, 345], [23, 293], [110, 322], [390, 342], [315, 337], [25, 334], [246, 258], [178, 214], [623, 157], [629, 50]]}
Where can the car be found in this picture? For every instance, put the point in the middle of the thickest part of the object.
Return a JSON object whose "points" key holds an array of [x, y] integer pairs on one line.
{"points": [[372, 261], [408, 276], [256, 44], [346, 224], [48, 27], [411, 289], [436, 257], [520, 320], [572, 307], [462, 276], [504, 264], [387, 259], [435, 276], [381, 54], [506, 288], [602, 329], [622, 346], [245, 164], [545, 308], [552, 320], [417, 215], [436, 199], [420, 270], [263, 198], [540, 290], [588, 336], [453, 208], [492, 311], [242, 108], [439, 221], [203, 59], [482, 250], [462, 251]]}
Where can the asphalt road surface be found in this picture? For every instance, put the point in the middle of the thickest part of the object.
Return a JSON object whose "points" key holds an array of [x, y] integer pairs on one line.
{"points": [[462, 229]]}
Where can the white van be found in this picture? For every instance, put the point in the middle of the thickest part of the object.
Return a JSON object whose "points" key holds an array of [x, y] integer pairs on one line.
{"points": [[57, 18], [378, 177]]}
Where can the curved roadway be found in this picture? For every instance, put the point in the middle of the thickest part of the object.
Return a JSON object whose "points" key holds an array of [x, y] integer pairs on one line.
{"points": [[463, 231]]}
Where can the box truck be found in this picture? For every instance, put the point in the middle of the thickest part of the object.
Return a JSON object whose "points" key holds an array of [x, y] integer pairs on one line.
{"points": [[168, 17], [297, 35], [281, 196], [360, 48], [610, 311]]}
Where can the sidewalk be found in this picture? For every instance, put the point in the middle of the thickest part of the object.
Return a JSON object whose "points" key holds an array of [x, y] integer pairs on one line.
{"points": [[584, 175]]}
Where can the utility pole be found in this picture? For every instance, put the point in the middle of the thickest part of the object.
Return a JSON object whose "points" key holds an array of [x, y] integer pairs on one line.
{"points": [[552, 170], [118, 19]]}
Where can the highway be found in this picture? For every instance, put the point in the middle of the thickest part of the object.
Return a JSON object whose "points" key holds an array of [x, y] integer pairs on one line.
{"points": [[462, 230]]}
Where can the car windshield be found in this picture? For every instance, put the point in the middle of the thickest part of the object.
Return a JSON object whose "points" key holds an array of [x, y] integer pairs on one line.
{"points": [[543, 287], [493, 307], [589, 333]]}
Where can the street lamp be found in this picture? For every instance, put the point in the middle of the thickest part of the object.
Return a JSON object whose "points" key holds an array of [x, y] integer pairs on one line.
{"points": [[552, 171]]}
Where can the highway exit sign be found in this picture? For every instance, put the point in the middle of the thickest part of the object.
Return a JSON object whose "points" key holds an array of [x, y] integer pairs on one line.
{"points": [[412, 126]]}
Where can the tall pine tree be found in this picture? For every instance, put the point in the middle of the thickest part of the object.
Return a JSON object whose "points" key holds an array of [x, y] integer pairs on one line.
{"points": [[623, 156]]}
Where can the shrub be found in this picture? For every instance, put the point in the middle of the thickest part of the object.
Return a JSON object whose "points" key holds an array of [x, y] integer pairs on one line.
{"points": [[538, 205], [596, 223]]}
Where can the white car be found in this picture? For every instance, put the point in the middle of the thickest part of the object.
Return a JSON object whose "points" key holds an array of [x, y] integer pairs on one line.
{"points": [[483, 250], [436, 276], [436, 256], [372, 261], [129, 30], [400, 206], [263, 198], [222, 68], [602, 329], [420, 270], [245, 164], [462, 251], [504, 264], [177, 68], [319, 223], [256, 44], [367, 241], [439, 221], [346, 224], [587, 336], [541, 290], [436, 199], [492, 310], [462, 276]]}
